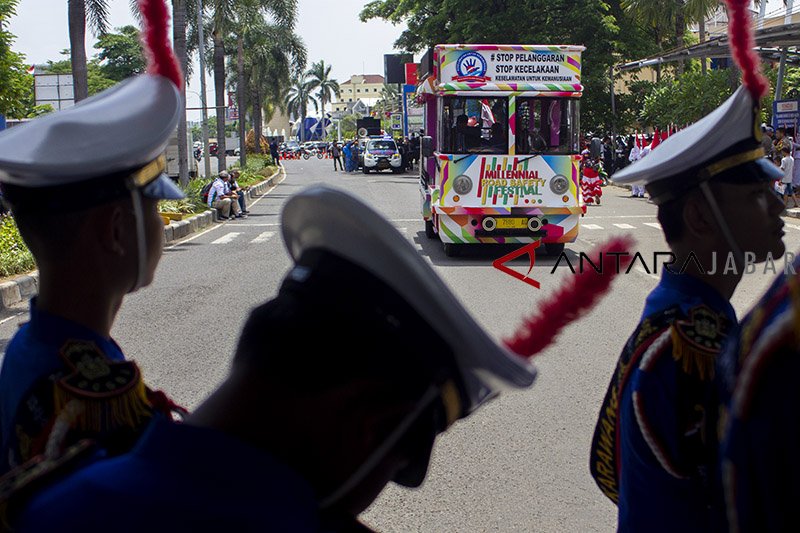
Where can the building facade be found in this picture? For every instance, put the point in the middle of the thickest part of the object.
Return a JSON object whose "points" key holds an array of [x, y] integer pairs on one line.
{"points": [[365, 88]]}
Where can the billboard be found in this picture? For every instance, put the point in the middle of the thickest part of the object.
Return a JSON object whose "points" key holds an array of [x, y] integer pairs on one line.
{"points": [[412, 112], [785, 113], [54, 89], [393, 67]]}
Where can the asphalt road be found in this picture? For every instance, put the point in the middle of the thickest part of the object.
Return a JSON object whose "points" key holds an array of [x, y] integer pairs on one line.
{"points": [[519, 464]]}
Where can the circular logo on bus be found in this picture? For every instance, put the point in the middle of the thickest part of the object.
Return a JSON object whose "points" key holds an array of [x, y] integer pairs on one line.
{"points": [[471, 66]]}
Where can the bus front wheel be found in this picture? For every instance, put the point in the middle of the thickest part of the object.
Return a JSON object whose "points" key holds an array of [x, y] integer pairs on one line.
{"points": [[429, 230], [451, 250], [554, 248]]}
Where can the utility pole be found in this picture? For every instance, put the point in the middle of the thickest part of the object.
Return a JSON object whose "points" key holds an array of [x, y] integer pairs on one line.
{"points": [[781, 74], [200, 50]]}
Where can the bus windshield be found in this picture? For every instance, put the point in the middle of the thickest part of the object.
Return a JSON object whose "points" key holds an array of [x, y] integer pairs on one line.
{"points": [[547, 126], [474, 125]]}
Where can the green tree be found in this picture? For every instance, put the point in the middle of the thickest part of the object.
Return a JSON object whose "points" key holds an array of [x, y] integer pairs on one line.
{"points": [[319, 77], [16, 85], [390, 100], [273, 54], [120, 54], [78, 12], [588, 22], [228, 18], [95, 76], [297, 99], [348, 126], [675, 100]]}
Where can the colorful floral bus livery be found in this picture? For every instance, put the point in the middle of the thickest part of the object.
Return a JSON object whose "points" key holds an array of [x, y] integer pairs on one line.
{"points": [[502, 164]]}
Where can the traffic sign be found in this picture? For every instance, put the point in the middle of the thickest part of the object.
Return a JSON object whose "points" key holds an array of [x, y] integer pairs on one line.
{"points": [[785, 113]]}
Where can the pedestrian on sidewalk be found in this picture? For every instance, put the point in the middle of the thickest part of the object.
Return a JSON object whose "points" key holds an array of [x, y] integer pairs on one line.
{"points": [[275, 152], [348, 156], [220, 197], [354, 153], [336, 153], [84, 185], [239, 191], [787, 167], [655, 444]]}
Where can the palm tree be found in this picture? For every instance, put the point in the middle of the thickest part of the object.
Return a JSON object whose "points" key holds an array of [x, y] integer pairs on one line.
{"points": [[297, 100], [666, 17], [319, 78], [271, 55], [699, 11], [179, 16], [227, 17], [77, 13], [389, 98]]}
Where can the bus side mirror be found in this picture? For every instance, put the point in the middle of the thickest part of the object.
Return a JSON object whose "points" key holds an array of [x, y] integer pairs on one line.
{"points": [[427, 146]]}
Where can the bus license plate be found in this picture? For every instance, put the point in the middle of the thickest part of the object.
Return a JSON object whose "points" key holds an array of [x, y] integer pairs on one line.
{"points": [[512, 223]]}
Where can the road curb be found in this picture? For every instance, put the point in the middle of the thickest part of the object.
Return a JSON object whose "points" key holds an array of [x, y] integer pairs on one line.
{"points": [[18, 289], [25, 286], [180, 229]]}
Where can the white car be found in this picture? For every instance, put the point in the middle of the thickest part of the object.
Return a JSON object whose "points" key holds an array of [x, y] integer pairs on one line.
{"points": [[382, 154]]}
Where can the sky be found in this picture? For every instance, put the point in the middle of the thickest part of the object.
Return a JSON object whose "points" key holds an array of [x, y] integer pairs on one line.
{"points": [[330, 29]]}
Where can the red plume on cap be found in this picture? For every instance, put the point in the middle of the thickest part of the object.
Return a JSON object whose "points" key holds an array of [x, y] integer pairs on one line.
{"points": [[161, 59], [573, 299], [740, 36]]}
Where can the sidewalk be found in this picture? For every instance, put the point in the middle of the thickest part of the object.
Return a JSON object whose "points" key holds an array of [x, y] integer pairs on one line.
{"points": [[25, 286]]}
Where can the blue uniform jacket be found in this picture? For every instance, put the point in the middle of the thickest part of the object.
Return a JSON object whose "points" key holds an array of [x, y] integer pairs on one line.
{"points": [[178, 478], [651, 453], [31, 357], [761, 441]]}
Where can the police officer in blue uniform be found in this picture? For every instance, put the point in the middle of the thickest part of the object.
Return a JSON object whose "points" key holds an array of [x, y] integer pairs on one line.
{"points": [[653, 453], [761, 437], [83, 185], [383, 358]]}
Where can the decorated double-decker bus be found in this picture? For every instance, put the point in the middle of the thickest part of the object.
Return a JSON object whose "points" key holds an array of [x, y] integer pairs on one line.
{"points": [[501, 147]]}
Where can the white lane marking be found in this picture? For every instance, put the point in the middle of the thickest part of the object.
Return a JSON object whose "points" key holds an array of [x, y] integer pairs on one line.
{"points": [[11, 317], [193, 237], [273, 225], [793, 226], [653, 225], [217, 225], [264, 237], [225, 239], [591, 226], [624, 226], [401, 230]]}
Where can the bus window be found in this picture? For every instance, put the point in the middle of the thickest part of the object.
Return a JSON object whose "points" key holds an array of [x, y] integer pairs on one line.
{"points": [[547, 126], [474, 125]]}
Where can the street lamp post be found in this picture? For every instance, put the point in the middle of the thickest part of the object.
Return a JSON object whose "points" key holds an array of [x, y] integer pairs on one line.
{"points": [[200, 49]]}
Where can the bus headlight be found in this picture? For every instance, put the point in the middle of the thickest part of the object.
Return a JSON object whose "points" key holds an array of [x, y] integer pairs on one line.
{"points": [[534, 224], [462, 185], [559, 184], [489, 223]]}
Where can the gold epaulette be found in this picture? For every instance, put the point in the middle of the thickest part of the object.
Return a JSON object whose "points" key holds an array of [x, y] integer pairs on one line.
{"points": [[696, 342], [112, 394]]}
